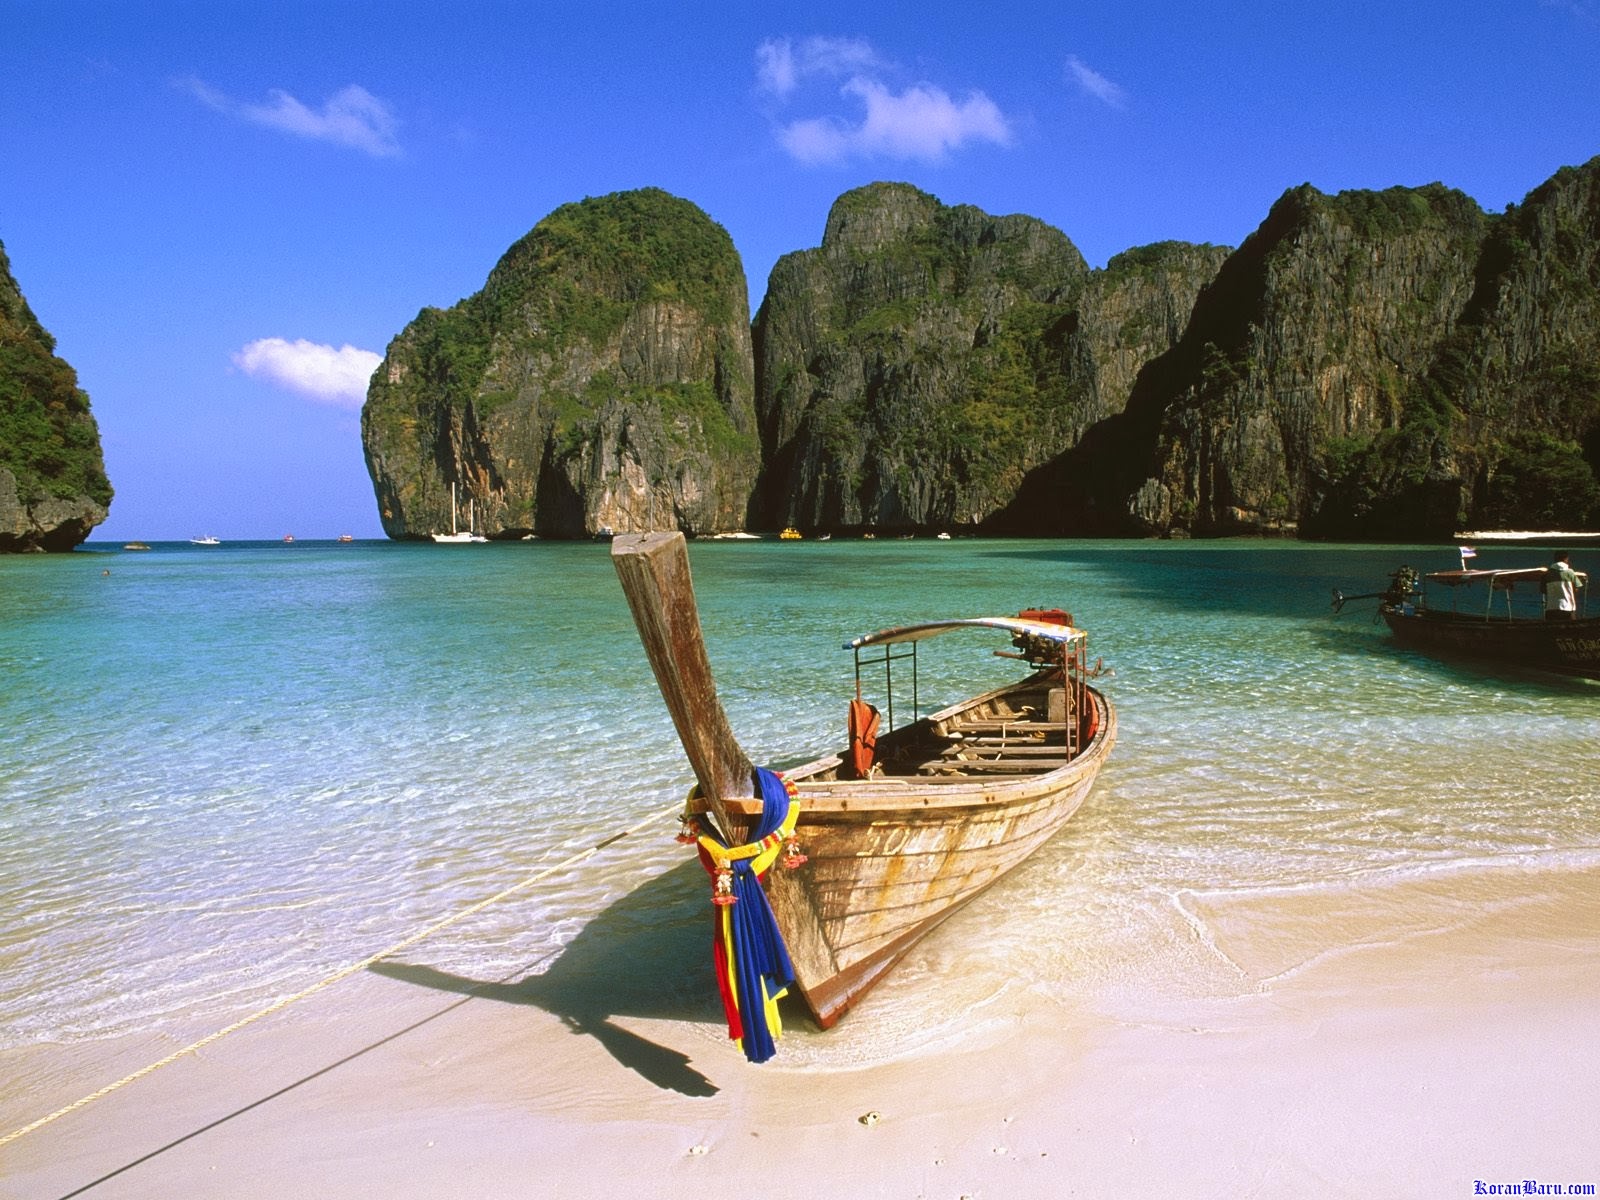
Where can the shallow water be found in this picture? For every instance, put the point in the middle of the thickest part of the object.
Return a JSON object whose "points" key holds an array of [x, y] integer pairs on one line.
{"points": [[226, 772]]}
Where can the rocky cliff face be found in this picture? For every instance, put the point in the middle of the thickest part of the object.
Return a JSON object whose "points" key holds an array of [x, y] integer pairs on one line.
{"points": [[602, 379], [1138, 307], [1309, 339], [914, 367], [53, 485], [1390, 364], [1370, 364], [1519, 383]]}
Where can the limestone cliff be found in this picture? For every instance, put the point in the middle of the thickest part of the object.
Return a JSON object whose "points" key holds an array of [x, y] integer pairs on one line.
{"points": [[1310, 337], [602, 379], [1518, 386], [53, 485], [911, 369], [1138, 307], [1370, 364]]}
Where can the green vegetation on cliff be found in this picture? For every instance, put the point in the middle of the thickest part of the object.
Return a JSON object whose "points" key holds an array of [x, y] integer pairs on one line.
{"points": [[916, 365], [1153, 261], [48, 438], [1543, 482], [574, 280], [1375, 216], [602, 374], [1503, 425], [586, 266]]}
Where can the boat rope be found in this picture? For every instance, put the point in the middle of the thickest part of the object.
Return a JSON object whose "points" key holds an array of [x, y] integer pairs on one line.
{"points": [[341, 973]]}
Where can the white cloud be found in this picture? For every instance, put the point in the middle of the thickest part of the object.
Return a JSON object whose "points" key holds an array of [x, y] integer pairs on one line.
{"points": [[919, 122], [329, 376], [204, 92], [1094, 83], [781, 64], [351, 117], [776, 70]]}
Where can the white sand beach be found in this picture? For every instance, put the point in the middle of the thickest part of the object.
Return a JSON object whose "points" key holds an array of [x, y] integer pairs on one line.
{"points": [[1369, 1050]]}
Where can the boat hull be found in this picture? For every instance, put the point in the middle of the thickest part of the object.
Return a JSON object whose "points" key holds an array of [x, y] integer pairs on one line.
{"points": [[890, 859], [1566, 647]]}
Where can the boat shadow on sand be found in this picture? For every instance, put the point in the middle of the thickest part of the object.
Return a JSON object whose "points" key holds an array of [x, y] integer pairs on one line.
{"points": [[647, 955]]}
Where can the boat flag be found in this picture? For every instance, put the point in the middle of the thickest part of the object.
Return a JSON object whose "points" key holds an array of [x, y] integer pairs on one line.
{"points": [[1467, 554]]}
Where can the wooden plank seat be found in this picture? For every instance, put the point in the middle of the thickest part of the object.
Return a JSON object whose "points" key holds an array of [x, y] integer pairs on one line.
{"points": [[976, 766], [966, 750], [1001, 739], [999, 724]]}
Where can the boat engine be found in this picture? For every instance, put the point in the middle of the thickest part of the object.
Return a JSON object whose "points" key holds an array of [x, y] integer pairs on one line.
{"points": [[1402, 586]]}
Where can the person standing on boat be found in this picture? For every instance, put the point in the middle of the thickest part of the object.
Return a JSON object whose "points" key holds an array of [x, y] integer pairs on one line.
{"points": [[1561, 589]]}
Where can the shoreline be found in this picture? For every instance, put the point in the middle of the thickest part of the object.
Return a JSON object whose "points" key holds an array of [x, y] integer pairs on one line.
{"points": [[1405, 1054]]}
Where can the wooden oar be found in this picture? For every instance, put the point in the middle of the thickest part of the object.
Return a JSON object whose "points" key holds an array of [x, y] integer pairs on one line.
{"points": [[654, 570]]}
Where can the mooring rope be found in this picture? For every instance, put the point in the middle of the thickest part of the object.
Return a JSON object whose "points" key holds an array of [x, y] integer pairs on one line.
{"points": [[342, 973]]}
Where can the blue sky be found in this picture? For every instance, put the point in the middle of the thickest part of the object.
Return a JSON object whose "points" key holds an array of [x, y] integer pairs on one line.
{"points": [[225, 211]]}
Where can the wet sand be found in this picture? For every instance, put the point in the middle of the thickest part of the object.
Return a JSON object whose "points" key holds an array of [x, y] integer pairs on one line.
{"points": [[1406, 1040]]}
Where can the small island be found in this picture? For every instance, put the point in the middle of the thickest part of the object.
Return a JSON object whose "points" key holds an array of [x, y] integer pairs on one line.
{"points": [[53, 485]]}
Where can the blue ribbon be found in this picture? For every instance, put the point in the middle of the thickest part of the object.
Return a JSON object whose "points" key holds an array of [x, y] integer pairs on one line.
{"points": [[761, 961]]}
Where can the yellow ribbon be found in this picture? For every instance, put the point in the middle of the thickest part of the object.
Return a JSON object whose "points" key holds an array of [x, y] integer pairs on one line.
{"points": [[764, 853]]}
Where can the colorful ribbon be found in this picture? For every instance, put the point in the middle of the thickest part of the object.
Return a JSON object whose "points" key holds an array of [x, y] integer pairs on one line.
{"points": [[753, 968]]}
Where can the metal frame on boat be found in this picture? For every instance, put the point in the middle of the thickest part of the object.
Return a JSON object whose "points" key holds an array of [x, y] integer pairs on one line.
{"points": [[947, 805]]}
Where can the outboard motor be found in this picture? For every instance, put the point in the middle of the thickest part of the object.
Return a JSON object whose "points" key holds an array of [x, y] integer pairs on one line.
{"points": [[1402, 586]]}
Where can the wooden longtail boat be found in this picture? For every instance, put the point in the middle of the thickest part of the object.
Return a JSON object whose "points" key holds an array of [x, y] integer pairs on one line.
{"points": [[948, 803], [1489, 615]]}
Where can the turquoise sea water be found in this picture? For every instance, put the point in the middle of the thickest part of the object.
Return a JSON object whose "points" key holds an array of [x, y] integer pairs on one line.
{"points": [[226, 772]]}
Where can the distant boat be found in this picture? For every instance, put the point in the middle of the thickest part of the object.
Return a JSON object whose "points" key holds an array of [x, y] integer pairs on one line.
{"points": [[345, 537], [204, 541], [943, 537], [791, 534], [287, 538], [136, 546], [1492, 628], [455, 534]]}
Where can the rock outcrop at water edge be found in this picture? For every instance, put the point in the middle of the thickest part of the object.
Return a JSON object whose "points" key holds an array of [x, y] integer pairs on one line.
{"points": [[600, 381], [53, 485]]}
